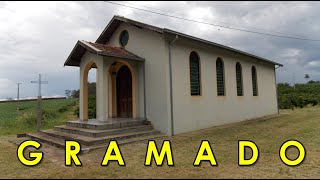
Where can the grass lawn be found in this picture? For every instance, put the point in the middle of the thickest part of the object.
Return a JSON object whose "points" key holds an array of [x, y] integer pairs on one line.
{"points": [[300, 124], [56, 112]]}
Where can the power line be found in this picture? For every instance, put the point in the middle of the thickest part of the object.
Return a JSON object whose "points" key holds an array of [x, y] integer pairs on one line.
{"points": [[236, 25], [222, 26]]}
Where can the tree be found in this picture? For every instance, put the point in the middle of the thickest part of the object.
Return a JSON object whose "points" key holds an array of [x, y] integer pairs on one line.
{"points": [[312, 82], [68, 93], [91, 100], [75, 94], [307, 76]]}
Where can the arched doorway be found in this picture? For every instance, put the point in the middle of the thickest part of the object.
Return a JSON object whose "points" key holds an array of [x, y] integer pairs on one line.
{"points": [[89, 92], [124, 92]]}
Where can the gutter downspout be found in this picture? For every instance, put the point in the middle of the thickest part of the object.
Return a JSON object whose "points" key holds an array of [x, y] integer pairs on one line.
{"points": [[170, 77], [144, 91], [275, 81]]}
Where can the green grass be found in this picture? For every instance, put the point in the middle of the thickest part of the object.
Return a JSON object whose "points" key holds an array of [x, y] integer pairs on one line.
{"points": [[56, 112], [269, 134]]}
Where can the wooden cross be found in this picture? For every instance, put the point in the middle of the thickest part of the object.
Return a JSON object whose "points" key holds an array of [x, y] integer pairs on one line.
{"points": [[39, 82]]}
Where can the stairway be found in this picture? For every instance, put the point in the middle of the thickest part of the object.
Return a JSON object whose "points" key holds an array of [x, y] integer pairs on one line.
{"points": [[93, 134]]}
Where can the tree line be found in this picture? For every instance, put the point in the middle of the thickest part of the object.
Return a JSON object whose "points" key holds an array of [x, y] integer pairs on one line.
{"points": [[91, 99], [289, 96], [298, 95]]}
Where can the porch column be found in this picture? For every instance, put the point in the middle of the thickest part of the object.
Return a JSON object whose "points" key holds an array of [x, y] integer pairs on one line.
{"points": [[102, 91], [83, 94]]}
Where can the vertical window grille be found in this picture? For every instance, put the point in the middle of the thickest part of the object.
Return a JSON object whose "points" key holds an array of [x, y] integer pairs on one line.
{"points": [[194, 74], [254, 81], [239, 79], [220, 77]]}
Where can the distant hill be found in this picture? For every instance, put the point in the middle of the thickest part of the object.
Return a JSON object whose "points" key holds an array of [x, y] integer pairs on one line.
{"points": [[32, 99]]}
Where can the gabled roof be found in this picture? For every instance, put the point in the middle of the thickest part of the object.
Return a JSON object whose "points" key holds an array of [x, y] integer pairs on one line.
{"points": [[117, 20], [100, 49]]}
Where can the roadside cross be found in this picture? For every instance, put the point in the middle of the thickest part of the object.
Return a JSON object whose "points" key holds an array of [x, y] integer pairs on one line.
{"points": [[39, 82]]}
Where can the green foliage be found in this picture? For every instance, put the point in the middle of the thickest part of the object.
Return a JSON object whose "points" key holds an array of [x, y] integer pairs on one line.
{"points": [[300, 96], [55, 112], [28, 119], [49, 114], [91, 107], [77, 111], [91, 100], [76, 93]]}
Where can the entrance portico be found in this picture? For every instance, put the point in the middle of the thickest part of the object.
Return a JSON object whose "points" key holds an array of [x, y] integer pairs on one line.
{"points": [[120, 88]]}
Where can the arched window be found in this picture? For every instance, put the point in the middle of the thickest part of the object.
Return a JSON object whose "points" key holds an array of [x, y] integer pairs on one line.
{"points": [[254, 81], [194, 74], [220, 77], [239, 79]]}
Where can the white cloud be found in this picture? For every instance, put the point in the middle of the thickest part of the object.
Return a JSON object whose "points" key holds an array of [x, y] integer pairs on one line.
{"points": [[314, 64], [6, 87], [37, 37]]}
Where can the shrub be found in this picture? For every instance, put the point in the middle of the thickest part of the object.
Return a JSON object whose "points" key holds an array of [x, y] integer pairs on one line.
{"points": [[49, 114], [91, 107], [76, 111], [300, 96], [63, 109], [66, 107], [27, 119]]}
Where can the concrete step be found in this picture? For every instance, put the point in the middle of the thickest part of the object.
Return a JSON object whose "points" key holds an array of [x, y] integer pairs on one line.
{"points": [[90, 141], [60, 143], [41, 137], [100, 125], [100, 133], [126, 141]]}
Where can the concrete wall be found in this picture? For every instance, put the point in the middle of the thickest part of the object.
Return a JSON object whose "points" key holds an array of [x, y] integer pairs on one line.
{"points": [[151, 46], [198, 112], [104, 86], [101, 86], [195, 112]]}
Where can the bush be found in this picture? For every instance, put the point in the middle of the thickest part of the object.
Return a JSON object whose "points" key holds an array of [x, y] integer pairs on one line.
{"points": [[66, 107], [91, 107], [49, 114], [27, 119], [76, 111], [63, 109], [300, 96]]}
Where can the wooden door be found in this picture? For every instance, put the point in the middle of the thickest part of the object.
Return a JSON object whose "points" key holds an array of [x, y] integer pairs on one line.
{"points": [[124, 92]]}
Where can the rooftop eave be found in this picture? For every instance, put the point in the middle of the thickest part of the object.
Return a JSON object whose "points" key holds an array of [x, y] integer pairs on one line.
{"points": [[122, 57], [88, 47], [169, 31]]}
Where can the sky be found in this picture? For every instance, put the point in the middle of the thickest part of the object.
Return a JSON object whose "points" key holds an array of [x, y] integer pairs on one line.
{"points": [[37, 37]]}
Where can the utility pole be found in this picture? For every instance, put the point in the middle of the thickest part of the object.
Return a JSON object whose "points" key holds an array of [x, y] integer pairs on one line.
{"points": [[294, 83], [18, 97], [39, 82]]}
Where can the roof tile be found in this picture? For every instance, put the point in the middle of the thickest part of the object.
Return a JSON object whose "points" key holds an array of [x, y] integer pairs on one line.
{"points": [[114, 51]]}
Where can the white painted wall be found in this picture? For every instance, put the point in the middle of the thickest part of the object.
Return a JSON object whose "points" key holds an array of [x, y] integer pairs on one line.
{"points": [[190, 112], [101, 86], [193, 113], [151, 46]]}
